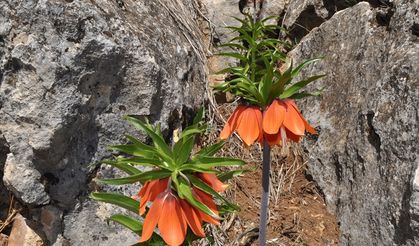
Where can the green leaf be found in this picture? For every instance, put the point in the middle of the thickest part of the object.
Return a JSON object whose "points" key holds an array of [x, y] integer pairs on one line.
{"points": [[266, 84], [117, 199], [231, 70], [306, 94], [142, 161], [211, 150], [142, 149], [224, 176], [130, 223], [162, 148], [196, 168], [193, 130], [278, 86], [297, 86], [209, 162], [186, 191], [123, 166], [199, 115], [130, 149], [269, 18], [142, 177], [186, 146], [297, 70]]}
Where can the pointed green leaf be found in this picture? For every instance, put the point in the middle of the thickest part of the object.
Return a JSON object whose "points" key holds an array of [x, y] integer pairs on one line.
{"points": [[130, 223], [211, 149], [199, 115], [186, 191], [142, 177], [207, 189], [224, 176], [130, 149], [297, 86], [185, 149], [160, 144], [117, 199], [303, 94], [209, 162], [297, 70], [142, 161], [123, 166]]}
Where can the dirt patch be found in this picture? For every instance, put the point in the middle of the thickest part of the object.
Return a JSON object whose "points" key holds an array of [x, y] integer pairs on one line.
{"points": [[297, 216]]}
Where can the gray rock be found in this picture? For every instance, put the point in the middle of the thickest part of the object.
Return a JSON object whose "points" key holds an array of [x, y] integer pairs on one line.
{"points": [[69, 72], [90, 217], [301, 16], [365, 156]]}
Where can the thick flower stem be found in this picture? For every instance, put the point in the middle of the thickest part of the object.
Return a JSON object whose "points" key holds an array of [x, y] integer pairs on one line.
{"points": [[265, 193]]}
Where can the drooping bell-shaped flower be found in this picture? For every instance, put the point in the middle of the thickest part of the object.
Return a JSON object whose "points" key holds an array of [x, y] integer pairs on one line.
{"points": [[149, 192], [166, 213], [247, 122], [171, 214], [282, 120]]}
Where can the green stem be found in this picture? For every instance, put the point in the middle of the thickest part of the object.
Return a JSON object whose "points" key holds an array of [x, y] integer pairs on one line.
{"points": [[265, 193]]}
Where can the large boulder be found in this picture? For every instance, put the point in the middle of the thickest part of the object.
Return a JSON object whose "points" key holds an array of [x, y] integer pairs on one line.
{"points": [[69, 71], [365, 158]]}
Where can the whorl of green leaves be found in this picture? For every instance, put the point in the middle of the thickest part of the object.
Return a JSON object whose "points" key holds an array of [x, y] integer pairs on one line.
{"points": [[256, 78], [174, 161]]}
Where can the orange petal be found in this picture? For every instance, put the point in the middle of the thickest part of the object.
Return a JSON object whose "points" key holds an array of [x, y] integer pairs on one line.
{"points": [[292, 136], [152, 217], [307, 126], [248, 129], [212, 180], [293, 121], [142, 190], [273, 117], [209, 202], [172, 223], [273, 139], [144, 198], [158, 188], [232, 122], [259, 120], [154, 188], [192, 217]]}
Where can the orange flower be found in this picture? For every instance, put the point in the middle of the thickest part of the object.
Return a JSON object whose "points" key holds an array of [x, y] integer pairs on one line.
{"points": [[212, 180], [166, 212], [282, 120], [173, 215], [247, 121], [149, 192]]}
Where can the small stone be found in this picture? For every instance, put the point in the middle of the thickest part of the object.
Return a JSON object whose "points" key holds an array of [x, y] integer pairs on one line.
{"points": [[3, 240], [22, 234]]}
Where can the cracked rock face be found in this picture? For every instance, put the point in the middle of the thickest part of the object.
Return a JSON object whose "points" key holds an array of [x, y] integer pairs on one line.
{"points": [[69, 72], [365, 157]]}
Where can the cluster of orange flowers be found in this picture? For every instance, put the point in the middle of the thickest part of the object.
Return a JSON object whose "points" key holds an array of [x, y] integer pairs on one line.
{"points": [[172, 214], [280, 121]]}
